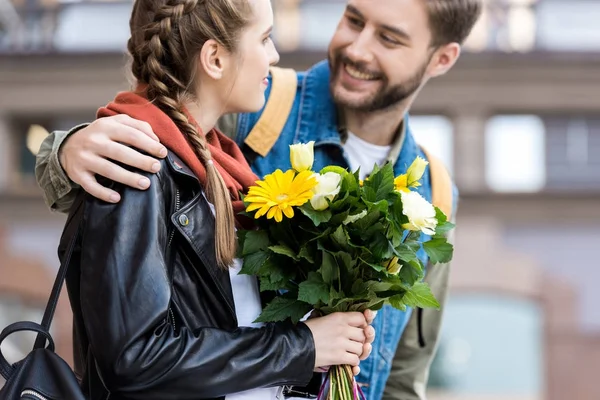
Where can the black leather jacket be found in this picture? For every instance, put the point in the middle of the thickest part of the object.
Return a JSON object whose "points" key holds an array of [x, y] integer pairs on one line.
{"points": [[154, 316]]}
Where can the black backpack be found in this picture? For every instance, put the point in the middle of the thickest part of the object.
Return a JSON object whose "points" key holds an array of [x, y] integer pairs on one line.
{"points": [[42, 374]]}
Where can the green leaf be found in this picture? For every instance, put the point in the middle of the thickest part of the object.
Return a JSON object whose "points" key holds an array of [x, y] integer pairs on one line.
{"points": [[359, 288], [282, 308], [340, 238], [397, 302], [350, 183], [241, 236], [420, 296], [369, 194], [317, 217], [313, 290], [439, 250], [381, 246], [284, 251], [305, 253], [405, 253], [329, 269], [382, 206], [375, 303], [382, 182], [255, 241], [254, 262], [266, 284], [376, 286], [440, 216], [411, 272], [367, 221], [442, 230], [339, 217], [376, 267]]}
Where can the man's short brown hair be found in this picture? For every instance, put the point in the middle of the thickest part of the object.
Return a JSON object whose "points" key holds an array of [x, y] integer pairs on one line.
{"points": [[452, 20]]}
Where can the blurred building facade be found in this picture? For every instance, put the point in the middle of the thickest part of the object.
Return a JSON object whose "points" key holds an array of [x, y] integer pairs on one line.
{"points": [[517, 121]]}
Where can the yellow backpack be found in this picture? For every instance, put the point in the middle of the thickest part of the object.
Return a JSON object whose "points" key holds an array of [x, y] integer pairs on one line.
{"points": [[270, 124]]}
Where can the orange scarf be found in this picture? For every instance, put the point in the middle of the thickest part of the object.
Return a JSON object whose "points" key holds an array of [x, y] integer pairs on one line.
{"points": [[227, 156]]}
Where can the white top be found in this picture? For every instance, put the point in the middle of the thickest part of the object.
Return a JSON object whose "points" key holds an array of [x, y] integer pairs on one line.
{"points": [[363, 154], [247, 308]]}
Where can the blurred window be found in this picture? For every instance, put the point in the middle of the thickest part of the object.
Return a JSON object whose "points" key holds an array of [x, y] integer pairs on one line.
{"points": [[573, 152], [31, 131], [491, 345], [514, 153], [436, 134]]}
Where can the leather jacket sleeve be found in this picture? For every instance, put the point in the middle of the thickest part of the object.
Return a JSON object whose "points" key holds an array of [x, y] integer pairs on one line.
{"points": [[125, 300]]}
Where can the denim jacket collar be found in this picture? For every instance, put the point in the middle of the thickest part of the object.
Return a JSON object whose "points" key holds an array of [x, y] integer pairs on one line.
{"points": [[315, 91]]}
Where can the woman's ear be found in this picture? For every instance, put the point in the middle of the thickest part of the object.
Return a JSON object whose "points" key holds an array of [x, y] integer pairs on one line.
{"points": [[212, 59]]}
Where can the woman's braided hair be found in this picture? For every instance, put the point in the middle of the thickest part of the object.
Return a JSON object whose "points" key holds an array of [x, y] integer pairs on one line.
{"points": [[166, 37]]}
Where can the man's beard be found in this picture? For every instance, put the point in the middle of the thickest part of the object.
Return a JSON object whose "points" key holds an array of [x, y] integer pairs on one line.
{"points": [[385, 98]]}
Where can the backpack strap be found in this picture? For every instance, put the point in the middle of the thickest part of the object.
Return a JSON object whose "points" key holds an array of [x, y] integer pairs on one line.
{"points": [[270, 124], [441, 184]]}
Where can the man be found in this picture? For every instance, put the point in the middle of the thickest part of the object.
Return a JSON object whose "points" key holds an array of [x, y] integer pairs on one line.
{"points": [[354, 106]]}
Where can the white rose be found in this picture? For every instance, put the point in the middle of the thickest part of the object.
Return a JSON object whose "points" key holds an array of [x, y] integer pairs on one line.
{"points": [[302, 156], [328, 186], [420, 213]]}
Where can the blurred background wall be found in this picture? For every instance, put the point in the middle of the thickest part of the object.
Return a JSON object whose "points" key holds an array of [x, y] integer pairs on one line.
{"points": [[517, 121]]}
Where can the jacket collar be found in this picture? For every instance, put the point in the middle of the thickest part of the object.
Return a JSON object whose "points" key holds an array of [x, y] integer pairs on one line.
{"points": [[202, 244], [179, 167], [318, 115]]}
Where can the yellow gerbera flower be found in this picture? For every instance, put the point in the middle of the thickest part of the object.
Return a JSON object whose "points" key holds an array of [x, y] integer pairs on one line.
{"points": [[279, 192]]}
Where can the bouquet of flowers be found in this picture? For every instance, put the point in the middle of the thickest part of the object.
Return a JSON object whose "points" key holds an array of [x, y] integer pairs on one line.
{"points": [[330, 242]]}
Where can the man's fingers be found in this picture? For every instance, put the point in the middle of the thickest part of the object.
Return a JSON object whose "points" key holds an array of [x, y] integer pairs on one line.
{"points": [[90, 185], [137, 124], [132, 136], [356, 370], [118, 174], [128, 156]]}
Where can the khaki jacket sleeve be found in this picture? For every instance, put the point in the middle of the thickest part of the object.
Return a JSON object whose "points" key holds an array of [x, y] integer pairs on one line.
{"points": [[228, 125], [410, 366], [58, 190]]}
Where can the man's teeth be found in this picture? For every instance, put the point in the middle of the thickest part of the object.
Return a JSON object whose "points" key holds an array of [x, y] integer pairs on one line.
{"points": [[353, 72]]}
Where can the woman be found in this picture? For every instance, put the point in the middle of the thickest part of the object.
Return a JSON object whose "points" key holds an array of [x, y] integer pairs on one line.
{"points": [[160, 309]]}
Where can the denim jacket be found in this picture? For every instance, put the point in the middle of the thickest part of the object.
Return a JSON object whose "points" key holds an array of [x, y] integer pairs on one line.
{"points": [[314, 117]]}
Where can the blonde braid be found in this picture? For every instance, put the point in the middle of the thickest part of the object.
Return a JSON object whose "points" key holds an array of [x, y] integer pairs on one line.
{"points": [[168, 91]]}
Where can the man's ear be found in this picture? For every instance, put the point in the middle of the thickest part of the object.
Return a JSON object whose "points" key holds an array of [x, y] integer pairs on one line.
{"points": [[212, 59], [443, 59]]}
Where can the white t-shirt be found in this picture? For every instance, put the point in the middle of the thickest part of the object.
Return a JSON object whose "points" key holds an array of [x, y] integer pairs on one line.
{"points": [[365, 155], [247, 308]]}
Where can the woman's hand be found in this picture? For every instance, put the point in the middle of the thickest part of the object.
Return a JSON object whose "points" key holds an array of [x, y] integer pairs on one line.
{"points": [[342, 339]]}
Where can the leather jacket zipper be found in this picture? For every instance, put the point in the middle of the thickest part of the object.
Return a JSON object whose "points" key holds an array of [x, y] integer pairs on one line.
{"points": [[172, 319], [33, 394], [177, 204]]}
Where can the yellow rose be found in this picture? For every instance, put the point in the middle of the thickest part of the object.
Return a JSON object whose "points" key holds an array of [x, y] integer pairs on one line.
{"points": [[393, 266], [414, 173], [302, 156]]}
